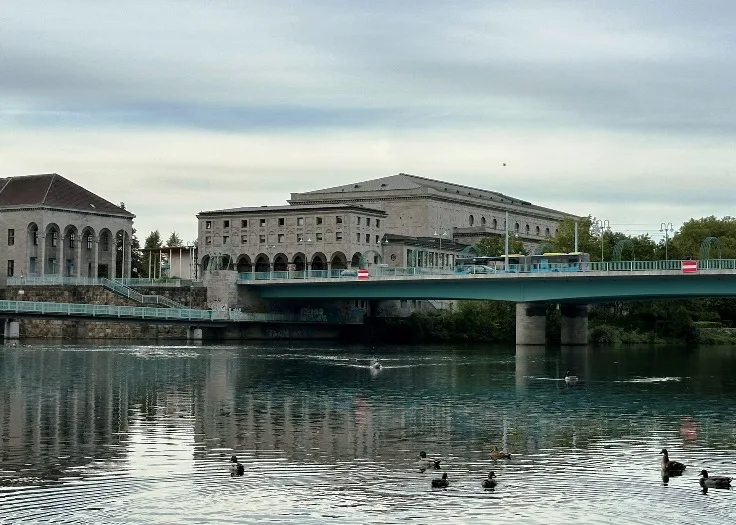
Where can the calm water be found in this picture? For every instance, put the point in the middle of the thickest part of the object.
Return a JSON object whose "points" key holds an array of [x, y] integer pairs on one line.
{"points": [[143, 434]]}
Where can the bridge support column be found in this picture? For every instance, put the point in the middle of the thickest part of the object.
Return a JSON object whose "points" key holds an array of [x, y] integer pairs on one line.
{"points": [[530, 323], [574, 324], [11, 329], [194, 335]]}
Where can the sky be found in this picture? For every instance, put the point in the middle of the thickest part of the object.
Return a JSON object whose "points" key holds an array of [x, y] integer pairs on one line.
{"points": [[622, 110]]}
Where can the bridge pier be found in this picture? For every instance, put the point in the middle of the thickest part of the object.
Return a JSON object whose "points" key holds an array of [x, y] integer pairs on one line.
{"points": [[574, 324], [194, 335], [11, 329], [531, 321]]}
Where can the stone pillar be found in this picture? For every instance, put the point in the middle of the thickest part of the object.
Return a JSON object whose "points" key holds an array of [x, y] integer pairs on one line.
{"points": [[194, 335], [530, 323], [79, 254], [96, 247], [12, 329], [127, 250], [574, 324], [112, 270], [42, 263]]}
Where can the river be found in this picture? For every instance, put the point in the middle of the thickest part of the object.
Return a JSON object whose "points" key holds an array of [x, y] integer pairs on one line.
{"points": [[144, 433]]}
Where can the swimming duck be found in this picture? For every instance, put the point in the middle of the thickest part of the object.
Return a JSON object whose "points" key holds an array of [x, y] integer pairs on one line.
{"points": [[673, 468], [571, 379], [441, 483], [715, 482], [236, 469], [497, 454], [490, 481], [425, 462], [375, 364]]}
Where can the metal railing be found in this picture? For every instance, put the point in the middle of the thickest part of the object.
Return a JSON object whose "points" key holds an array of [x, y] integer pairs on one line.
{"points": [[674, 266], [109, 284], [142, 312]]}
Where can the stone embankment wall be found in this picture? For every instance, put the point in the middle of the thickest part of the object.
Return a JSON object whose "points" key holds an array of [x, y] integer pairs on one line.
{"points": [[53, 329]]}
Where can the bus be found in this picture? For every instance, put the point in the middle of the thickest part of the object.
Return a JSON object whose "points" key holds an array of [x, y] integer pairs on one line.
{"points": [[520, 263]]}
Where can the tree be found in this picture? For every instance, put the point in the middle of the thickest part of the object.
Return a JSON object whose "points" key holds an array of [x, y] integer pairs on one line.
{"points": [[686, 242], [153, 241], [495, 246], [174, 240]]}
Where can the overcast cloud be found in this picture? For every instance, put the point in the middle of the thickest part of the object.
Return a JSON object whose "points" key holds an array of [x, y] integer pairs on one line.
{"points": [[624, 110]]}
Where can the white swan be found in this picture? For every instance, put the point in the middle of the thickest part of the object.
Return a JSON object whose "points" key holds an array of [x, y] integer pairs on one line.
{"points": [[571, 379]]}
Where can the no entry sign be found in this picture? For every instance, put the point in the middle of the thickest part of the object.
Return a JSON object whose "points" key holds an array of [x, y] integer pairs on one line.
{"points": [[362, 274], [689, 266]]}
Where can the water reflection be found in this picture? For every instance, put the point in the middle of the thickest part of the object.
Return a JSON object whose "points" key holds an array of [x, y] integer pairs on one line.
{"points": [[316, 421]]}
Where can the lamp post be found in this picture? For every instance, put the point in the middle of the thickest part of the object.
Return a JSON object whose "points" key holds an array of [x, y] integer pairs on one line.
{"points": [[441, 232], [270, 248], [666, 227], [306, 240], [602, 225]]}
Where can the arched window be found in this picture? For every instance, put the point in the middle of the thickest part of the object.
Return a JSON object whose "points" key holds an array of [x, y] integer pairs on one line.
{"points": [[482, 221], [546, 232], [471, 220], [516, 227], [526, 228], [537, 230], [495, 224]]}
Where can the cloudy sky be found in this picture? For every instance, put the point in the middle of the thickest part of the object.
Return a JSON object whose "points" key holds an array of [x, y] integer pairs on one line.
{"points": [[625, 110]]}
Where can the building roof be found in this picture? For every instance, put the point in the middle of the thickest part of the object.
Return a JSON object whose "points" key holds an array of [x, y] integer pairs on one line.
{"points": [[405, 181], [51, 190], [296, 208], [423, 242]]}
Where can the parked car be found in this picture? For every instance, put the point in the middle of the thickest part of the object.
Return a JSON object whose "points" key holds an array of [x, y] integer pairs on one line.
{"points": [[350, 272], [477, 268]]}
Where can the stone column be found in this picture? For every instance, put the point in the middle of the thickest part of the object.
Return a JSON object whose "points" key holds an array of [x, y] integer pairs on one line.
{"points": [[79, 254], [112, 274], [574, 324], [42, 263], [127, 267], [96, 247], [12, 329], [530, 323], [62, 263]]}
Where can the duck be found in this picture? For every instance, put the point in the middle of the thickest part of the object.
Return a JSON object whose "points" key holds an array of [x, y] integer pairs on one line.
{"points": [[571, 379], [497, 454], [715, 482], [490, 481], [441, 483], [425, 462], [376, 365], [673, 468], [236, 469]]}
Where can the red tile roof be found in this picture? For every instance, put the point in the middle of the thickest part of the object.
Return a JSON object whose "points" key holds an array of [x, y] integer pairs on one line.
{"points": [[53, 191]]}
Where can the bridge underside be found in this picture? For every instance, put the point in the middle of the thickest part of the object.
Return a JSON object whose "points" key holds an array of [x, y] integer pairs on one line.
{"points": [[574, 289]]}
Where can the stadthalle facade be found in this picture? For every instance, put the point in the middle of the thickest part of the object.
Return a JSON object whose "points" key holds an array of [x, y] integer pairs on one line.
{"points": [[336, 227]]}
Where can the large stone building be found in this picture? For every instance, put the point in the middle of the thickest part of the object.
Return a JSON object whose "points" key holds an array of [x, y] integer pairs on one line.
{"points": [[52, 226], [420, 207]]}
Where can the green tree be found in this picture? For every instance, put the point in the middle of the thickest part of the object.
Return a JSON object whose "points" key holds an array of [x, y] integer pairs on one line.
{"points": [[564, 238], [495, 246], [174, 240], [687, 240], [153, 241]]}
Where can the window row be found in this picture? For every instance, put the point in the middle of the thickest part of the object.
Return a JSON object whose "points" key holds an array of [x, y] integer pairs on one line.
{"points": [[300, 238], [300, 221], [72, 238], [494, 225]]}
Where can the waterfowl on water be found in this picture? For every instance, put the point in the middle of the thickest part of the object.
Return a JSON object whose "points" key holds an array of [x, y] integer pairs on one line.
{"points": [[428, 463], [673, 468], [714, 482], [571, 379], [236, 469], [441, 483], [497, 454], [490, 481], [376, 365]]}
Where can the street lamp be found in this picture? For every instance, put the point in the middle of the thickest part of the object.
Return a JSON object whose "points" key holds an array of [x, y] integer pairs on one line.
{"points": [[305, 241], [666, 227], [440, 235], [602, 225]]}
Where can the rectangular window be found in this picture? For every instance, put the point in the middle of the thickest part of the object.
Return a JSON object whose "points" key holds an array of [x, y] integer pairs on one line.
{"points": [[281, 237], [11, 237], [263, 223], [358, 220], [338, 219], [208, 240], [282, 221], [243, 239], [72, 238], [318, 220], [54, 238], [367, 221], [208, 225], [244, 223], [367, 238], [378, 223], [378, 240], [105, 242], [357, 237], [52, 265], [88, 241], [225, 224], [300, 221], [225, 239], [299, 237], [11, 267], [338, 236], [35, 237], [319, 236], [32, 266], [262, 239]]}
